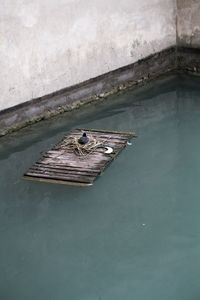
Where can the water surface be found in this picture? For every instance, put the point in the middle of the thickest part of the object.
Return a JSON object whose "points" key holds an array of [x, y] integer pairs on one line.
{"points": [[135, 234]]}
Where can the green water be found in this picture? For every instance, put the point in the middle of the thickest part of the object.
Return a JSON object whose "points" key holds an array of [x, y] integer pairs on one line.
{"points": [[135, 234]]}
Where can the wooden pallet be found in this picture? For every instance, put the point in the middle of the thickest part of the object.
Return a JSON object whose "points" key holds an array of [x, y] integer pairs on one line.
{"points": [[62, 165]]}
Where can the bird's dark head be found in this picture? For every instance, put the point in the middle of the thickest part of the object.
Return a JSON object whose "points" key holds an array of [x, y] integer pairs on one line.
{"points": [[84, 134]]}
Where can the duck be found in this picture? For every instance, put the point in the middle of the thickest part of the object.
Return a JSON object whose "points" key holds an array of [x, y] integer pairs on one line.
{"points": [[83, 139]]}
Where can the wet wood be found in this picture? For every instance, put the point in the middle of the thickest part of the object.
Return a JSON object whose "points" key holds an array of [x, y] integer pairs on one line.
{"points": [[62, 165]]}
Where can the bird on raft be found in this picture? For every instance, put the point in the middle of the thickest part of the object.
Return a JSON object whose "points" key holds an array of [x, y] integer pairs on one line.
{"points": [[84, 139]]}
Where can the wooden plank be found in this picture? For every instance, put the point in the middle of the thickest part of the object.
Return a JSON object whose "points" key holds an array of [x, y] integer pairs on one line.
{"points": [[104, 136], [62, 165], [52, 175], [48, 180], [63, 171], [68, 168], [48, 162], [131, 134]]}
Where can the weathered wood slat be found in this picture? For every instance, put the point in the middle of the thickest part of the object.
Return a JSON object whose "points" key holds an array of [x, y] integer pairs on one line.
{"points": [[64, 170], [62, 176], [57, 181], [67, 168], [119, 133], [104, 137], [47, 176], [57, 165], [62, 165]]}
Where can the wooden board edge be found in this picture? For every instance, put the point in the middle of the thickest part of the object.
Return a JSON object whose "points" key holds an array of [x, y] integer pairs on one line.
{"points": [[132, 134], [63, 182]]}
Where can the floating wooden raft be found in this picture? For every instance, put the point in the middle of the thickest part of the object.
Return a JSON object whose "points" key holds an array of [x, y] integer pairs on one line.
{"points": [[62, 165]]}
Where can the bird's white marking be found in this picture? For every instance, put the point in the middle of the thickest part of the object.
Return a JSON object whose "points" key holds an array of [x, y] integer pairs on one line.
{"points": [[129, 144], [108, 150]]}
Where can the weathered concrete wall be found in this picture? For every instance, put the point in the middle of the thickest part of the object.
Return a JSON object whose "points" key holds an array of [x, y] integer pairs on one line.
{"points": [[49, 45], [188, 23]]}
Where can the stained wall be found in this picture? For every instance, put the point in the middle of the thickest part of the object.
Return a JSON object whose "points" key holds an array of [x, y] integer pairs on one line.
{"points": [[49, 45]]}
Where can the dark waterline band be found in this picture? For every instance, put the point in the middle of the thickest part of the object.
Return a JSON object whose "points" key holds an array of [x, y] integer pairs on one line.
{"points": [[181, 59], [92, 90]]}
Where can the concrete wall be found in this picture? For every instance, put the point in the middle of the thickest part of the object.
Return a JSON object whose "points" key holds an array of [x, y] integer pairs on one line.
{"points": [[188, 23], [49, 45]]}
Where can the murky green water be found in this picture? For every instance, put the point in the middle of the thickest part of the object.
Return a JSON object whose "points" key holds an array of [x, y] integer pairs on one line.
{"points": [[136, 233]]}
